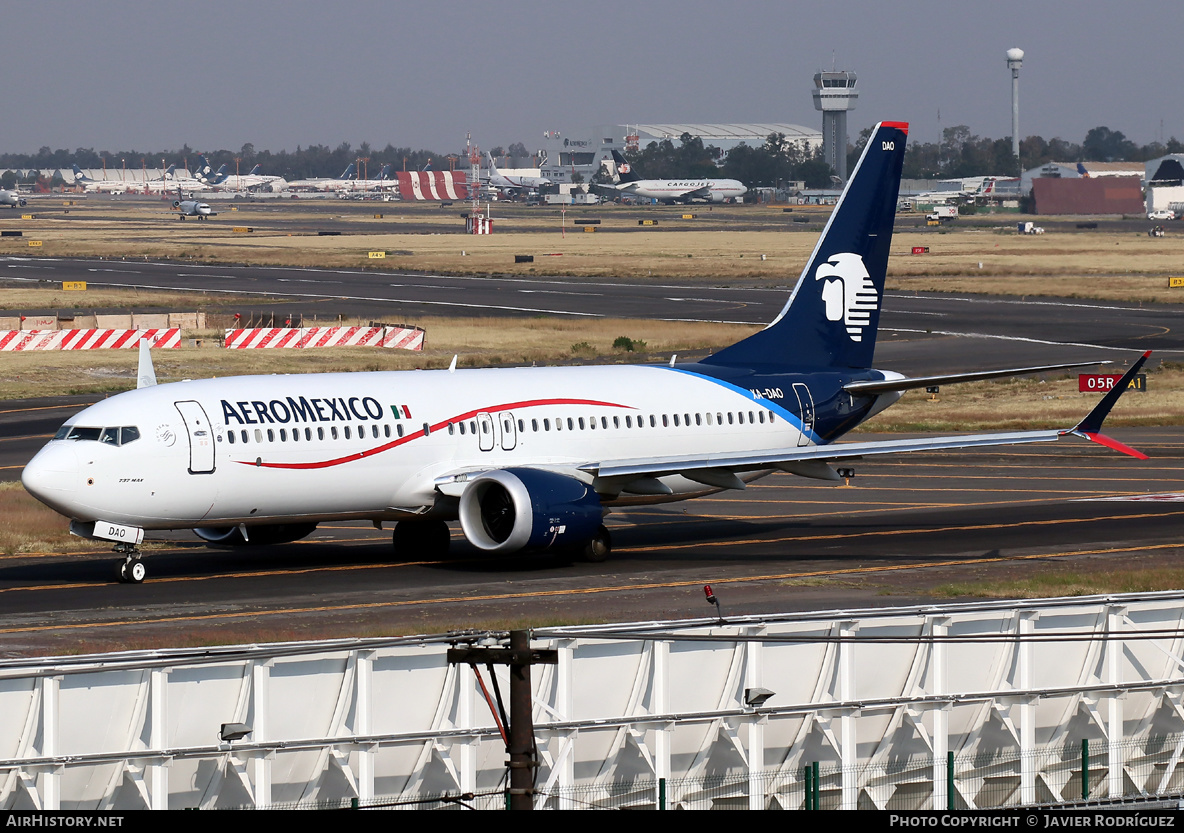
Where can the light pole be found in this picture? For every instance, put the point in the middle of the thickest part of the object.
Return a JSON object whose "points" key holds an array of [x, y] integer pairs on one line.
{"points": [[1015, 59]]}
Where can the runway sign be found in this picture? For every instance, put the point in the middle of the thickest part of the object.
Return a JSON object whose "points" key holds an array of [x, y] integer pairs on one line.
{"points": [[243, 229], [79, 286], [1175, 282], [1100, 382], [377, 255], [920, 250], [34, 243]]}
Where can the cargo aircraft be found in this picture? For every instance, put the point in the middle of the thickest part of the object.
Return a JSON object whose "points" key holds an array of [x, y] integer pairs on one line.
{"points": [[672, 190], [527, 459]]}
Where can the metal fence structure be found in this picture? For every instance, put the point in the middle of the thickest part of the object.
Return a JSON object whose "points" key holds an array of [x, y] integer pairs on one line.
{"points": [[969, 706]]}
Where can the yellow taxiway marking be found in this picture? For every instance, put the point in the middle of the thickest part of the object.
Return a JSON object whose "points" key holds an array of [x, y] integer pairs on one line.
{"points": [[585, 591]]}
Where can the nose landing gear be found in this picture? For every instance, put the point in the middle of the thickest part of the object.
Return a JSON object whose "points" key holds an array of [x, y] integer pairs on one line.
{"points": [[129, 569]]}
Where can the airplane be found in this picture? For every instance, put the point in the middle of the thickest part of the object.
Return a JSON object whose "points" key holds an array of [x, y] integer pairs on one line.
{"points": [[672, 190], [326, 183], [499, 180], [526, 459], [248, 182], [192, 208], [122, 186], [12, 199]]}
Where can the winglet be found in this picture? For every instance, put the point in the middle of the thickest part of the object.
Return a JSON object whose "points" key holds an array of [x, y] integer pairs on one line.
{"points": [[1090, 428], [145, 373]]}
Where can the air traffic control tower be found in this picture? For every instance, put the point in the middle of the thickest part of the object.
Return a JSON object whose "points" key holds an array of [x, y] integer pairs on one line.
{"points": [[834, 95]]}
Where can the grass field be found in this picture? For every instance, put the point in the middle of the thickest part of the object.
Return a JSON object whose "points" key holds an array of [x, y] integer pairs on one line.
{"points": [[718, 246]]}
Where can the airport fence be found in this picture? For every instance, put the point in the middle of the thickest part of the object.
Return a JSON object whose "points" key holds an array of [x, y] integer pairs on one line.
{"points": [[1067, 774]]}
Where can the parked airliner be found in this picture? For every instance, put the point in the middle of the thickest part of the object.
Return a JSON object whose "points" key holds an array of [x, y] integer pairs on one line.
{"points": [[499, 180], [526, 459], [673, 190]]}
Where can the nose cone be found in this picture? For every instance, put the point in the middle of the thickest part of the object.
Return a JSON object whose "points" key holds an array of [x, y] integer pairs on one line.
{"points": [[52, 476]]}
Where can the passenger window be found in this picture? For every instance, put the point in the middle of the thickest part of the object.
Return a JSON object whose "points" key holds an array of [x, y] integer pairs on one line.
{"points": [[347, 432], [244, 434], [333, 431], [283, 435], [604, 422], [399, 428], [386, 430], [270, 436], [258, 435], [546, 425], [676, 420], [534, 425], [230, 437], [761, 416], [628, 422], [521, 425], [451, 429], [308, 433], [616, 422], [374, 431], [320, 433]]}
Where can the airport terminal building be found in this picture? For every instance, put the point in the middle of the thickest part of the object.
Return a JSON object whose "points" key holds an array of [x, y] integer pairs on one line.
{"points": [[563, 155]]}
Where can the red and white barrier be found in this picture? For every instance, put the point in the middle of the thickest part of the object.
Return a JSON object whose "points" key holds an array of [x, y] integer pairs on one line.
{"points": [[21, 340], [433, 185], [406, 338]]}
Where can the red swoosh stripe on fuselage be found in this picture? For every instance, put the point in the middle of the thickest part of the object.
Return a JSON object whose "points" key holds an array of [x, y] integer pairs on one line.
{"points": [[359, 455]]}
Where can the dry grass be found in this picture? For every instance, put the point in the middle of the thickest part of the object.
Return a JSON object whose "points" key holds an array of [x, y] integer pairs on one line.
{"points": [[1069, 583], [1126, 266], [1027, 403], [479, 342], [30, 526]]}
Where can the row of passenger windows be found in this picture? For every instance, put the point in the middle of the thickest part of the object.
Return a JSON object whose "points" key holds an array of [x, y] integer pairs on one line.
{"points": [[332, 433], [629, 421], [110, 436]]}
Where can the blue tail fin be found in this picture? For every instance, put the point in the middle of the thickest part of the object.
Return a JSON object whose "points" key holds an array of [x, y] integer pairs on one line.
{"points": [[203, 168], [79, 176], [348, 173], [830, 320], [256, 171], [385, 174], [624, 169], [221, 175]]}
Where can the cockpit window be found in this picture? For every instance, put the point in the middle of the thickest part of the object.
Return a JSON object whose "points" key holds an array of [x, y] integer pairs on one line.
{"points": [[110, 436]]}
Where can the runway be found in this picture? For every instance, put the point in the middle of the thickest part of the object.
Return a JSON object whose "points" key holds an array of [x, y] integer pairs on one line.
{"points": [[904, 528]]}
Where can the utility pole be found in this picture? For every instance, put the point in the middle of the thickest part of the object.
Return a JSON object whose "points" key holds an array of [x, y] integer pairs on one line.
{"points": [[520, 737]]}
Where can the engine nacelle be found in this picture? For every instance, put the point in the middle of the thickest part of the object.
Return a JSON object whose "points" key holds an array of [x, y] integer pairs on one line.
{"points": [[232, 536], [528, 509]]}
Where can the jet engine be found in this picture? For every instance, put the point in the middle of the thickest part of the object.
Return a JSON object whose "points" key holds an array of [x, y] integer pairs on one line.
{"points": [[232, 536], [508, 510]]}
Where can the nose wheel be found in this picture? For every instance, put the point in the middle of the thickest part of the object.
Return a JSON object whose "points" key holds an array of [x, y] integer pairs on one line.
{"points": [[130, 569]]}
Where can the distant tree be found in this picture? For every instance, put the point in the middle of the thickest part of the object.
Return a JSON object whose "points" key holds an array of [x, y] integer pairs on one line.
{"points": [[1102, 144], [498, 151], [517, 149], [815, 173], [8, 180]]}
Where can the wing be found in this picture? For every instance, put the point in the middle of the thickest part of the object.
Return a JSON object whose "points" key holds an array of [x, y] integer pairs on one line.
{"points": [[813, 461], [926, 381]]}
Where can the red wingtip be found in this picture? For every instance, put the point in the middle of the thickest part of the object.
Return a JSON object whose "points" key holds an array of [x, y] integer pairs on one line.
{"points": [[1110, 442], [899, 125]]}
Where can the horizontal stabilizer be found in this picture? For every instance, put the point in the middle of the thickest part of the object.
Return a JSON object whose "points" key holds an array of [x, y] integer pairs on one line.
{"points": [[927, 381]]}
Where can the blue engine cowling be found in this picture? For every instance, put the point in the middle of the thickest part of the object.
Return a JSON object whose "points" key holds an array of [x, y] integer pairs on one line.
{"points": [[516, 509]]}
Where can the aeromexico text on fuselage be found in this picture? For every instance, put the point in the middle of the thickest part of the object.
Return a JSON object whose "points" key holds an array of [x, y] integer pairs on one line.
{"points": [[305, 409]]}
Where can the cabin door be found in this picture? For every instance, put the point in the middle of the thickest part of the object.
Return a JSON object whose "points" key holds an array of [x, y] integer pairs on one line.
{"points": [[806, 409], [201, 437]]}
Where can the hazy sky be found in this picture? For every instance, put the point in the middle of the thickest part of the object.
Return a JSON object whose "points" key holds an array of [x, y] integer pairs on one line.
{"points": [[124, 74]]}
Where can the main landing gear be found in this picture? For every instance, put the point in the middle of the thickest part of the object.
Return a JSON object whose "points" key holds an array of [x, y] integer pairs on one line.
{"points": [[129, 569], [422, 540]]}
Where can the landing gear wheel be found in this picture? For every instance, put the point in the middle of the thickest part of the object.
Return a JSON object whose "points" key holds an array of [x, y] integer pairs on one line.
{"points": [[136, 571], [421, 539], [129, 569], [598, 547]]}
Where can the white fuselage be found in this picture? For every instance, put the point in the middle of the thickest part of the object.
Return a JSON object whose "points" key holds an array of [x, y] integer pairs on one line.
{"points": [[707, 190], [318, 447]]}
